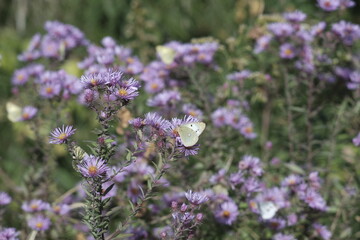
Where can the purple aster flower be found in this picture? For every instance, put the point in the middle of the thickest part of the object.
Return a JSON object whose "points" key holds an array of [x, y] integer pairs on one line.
{"points": [[251, 185], [191, 110], [314, 200], [318, 28], [20, 77], [291, 181], [314, 180], [239, 76], [295, 17], [280, 236], [251, 164], [356, 140], [343, 72], [61, 135], [218, 177], [347, 3], [61, 209], [92, 166], [157, 122], [92, 80], [248, 131], [39, 223], [276, 195], [28, 113], [262, 43], [88, 97], [50, 90], [236, 179], [218, 117], [187, 151], [133, 191], [108, 42], [35, 205], [354, 82], [29, 56], [137, 122], [127, 93], [5, 199], [287, 51], [329, 5], [348, 32], [276, 223], [166, 99], [292, 219], [155, 85], [280, 29], [196, 198], [227, 213], [9, 234], [322, 231]]}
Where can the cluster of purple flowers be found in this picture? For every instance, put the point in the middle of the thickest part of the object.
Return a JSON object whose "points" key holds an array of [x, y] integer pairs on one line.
{"points": [[110, 55], [109, 88], [186, 217], [60, 38], [9, 234], [333, 5], [163, 78], [233, 116], [48, 84], [159, 129], [300, 42]]}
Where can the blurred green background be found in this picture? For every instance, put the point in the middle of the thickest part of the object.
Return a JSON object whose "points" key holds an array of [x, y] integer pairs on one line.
{"points": [[138, 24]]}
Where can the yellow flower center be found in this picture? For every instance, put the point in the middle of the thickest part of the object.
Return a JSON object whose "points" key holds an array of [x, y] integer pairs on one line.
{"points": [[56, 209], [92, 170], [193, 113], [122, 92], [288, 52], [25, 116], [93, 82], [49, 90], [201, 56], [62, 136], [253, 204], [130, 60], [226, 214], [248, 130], [154, 86], [39, 225], [20, 77], [34, 206]]}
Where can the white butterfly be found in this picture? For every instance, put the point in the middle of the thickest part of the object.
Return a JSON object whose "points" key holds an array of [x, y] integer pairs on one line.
{"points": [[189, 133], [166, 54], [267, 209], [13, 111]]}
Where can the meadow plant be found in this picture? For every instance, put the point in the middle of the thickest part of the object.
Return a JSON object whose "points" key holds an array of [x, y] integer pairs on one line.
{"points": [[277, 159]]}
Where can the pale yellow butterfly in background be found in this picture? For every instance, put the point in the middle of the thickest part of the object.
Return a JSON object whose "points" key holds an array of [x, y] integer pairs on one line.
{"points": [[13, 112], [267, 210], [166, 54], [189, 133]]}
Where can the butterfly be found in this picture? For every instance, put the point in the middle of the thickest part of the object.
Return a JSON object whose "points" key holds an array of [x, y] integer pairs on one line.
{"points": [[13, 112], [267, 209], [166, 54], [189, 133]]}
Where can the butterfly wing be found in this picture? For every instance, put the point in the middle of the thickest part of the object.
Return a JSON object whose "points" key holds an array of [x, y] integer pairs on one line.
{"points": [[13, 111], [267, 210], [166, 54], [188, 136], [197, 127]]}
